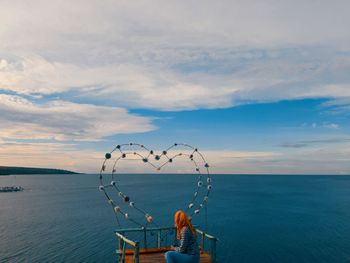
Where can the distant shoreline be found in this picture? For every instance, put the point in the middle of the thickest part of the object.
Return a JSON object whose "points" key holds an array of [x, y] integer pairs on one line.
{"points": [[13, 170]]}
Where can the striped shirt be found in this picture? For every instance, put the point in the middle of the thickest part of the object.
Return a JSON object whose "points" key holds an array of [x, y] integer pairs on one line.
{"points": [[188, 243]]}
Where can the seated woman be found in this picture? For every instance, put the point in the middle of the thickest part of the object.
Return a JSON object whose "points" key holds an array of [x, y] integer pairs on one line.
{"points": [[188, 251]]}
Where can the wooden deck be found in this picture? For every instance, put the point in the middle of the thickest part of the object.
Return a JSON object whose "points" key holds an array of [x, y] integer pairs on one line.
{"points": [[156, 255]]}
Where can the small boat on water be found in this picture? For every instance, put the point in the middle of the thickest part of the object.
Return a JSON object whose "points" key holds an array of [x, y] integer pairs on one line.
{"points": [[11, 188]]}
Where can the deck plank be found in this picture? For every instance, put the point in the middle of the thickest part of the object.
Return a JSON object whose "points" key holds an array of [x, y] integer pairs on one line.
{"points": [[157, 256]]}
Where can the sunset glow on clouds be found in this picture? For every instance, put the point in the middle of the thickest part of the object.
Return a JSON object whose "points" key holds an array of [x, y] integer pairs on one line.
{"points": [[260, 87]]}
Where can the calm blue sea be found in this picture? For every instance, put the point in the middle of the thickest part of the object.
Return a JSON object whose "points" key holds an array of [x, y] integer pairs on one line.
{"points": [[258, 218]]}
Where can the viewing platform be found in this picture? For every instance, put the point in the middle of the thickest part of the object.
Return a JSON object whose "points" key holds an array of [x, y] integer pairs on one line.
{"points": [[148, 245]]}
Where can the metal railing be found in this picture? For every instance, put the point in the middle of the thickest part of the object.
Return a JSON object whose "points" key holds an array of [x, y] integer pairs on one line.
{"points": [[212, 244], [159, 234]]}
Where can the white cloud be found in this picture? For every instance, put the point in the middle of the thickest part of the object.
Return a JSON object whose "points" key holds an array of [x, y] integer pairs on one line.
{"points": [[60, 120], [141, 24], [68, 156], [327, 125], [337, 106], [176, 55], [170, 87], [331, 158], [128, 85], [49, 155], [332, 126]]}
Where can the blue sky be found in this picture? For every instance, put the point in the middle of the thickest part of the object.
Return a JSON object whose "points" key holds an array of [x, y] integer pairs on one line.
{"points": [[259, 87]]}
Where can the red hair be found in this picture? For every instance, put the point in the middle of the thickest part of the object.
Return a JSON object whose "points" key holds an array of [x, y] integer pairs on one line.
{"points": [[181, 221]]}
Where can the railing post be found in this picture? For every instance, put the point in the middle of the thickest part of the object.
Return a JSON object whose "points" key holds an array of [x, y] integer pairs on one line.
{"points": [[144, 238], [203, 236], [213, 250], [124, 249], [159, 238], [137, 253], [120, 249], [120, 245]]}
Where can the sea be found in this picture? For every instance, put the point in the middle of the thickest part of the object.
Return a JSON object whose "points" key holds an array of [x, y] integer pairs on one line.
{"points": [[256, 218]]}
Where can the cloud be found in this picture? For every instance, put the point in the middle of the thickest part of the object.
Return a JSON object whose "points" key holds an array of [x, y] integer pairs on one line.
{"points": [[68, 156], [141, 25], [332, 159], [326, 159], [61, 120], [49, 155], [305, 143], [228, 79], [329, 140], [127, 85], [332, 126], [327, 125], [168, 57], [337, 106], [293, 145]]}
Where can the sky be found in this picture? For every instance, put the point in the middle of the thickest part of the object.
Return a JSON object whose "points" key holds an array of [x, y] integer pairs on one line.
{"points": [[258, 86]]}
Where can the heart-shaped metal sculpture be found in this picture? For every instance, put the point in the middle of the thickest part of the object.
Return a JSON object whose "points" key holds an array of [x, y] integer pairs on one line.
{"points": [[140, 152]]}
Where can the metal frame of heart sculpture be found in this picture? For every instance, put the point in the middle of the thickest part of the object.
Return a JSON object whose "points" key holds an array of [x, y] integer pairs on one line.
{"points": [[146, 159]]}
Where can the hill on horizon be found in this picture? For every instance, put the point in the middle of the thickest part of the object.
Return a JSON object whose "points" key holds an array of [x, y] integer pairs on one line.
{"points": [[9, 170]]}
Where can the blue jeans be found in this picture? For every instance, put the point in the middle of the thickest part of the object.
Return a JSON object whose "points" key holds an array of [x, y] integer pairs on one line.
{"points": [[177, 257]]}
